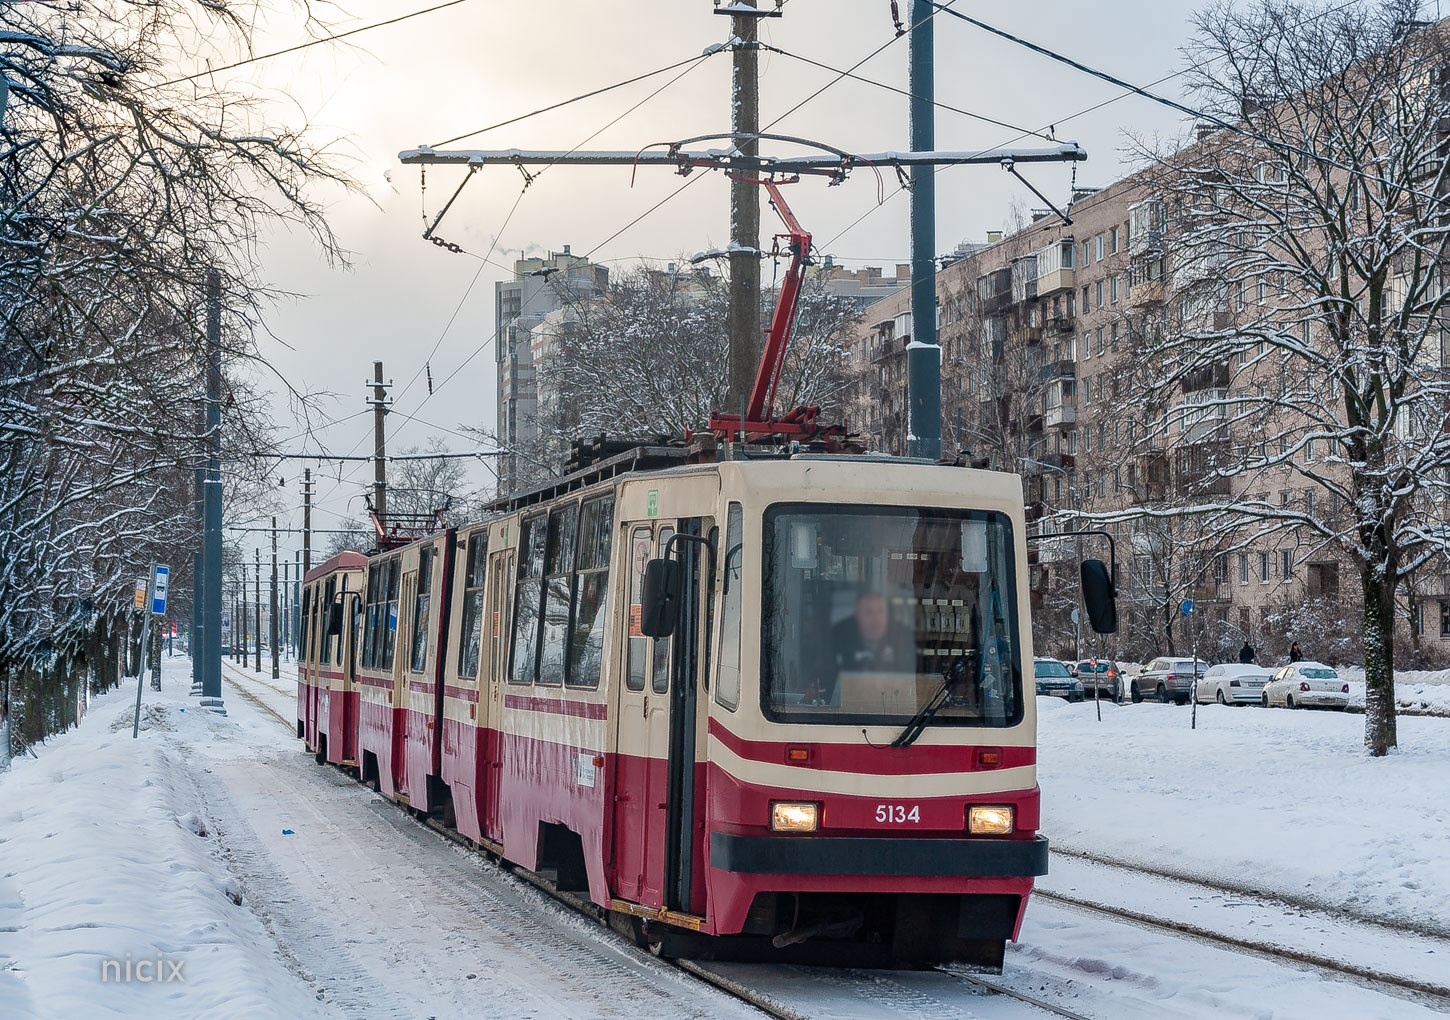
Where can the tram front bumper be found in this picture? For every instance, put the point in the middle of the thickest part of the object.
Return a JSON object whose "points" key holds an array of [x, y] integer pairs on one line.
{"points": [[836, 855]]}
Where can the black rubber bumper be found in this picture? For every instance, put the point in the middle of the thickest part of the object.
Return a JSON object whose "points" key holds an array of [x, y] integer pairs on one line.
{"points": [[826, 855]]}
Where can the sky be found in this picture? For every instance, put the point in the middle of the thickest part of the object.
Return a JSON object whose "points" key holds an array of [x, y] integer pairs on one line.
{"points": [[422, 309]]}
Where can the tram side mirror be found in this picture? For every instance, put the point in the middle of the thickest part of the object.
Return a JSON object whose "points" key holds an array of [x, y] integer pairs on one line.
{"points": [[1099, 597], [334, 619], [661, 607]]}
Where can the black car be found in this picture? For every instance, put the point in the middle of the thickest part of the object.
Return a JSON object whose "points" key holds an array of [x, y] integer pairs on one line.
{"points": [[1054, 680]]}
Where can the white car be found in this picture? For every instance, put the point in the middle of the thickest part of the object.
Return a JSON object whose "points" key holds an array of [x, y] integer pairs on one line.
{"points": [[1233, 683], [1306, 684]]}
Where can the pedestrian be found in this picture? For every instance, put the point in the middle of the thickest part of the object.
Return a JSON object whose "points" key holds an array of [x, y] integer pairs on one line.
{"points": [[1295, 653], [1246, 653]]}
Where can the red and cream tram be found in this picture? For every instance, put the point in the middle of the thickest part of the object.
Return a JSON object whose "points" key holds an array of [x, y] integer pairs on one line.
{"points": [[814, 725], [326, 695]]}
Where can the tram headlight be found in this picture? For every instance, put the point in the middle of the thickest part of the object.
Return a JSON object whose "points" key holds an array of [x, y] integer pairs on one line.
{"points": [[788, 816], [990, 819]]}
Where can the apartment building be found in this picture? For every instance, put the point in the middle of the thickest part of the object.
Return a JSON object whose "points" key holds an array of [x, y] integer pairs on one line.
{"points": [[1042, 333], [540, 286]]}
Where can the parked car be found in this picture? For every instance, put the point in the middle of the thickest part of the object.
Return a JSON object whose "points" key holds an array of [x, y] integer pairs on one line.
{"points": [[1306, 684], [1233, 683], [1100, 678], [1054, 679], [1166, 679]]}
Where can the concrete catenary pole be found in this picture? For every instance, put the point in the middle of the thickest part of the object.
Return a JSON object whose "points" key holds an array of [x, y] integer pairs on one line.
{"points": [[197, 559], [744, 315], [380, 461], [211, 624], [923, 358], [276, 619], [306, 523], [297, 609]]}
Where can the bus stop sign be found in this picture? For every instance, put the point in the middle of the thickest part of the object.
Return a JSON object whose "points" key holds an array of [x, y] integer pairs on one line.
{"points": [[159, 582]]}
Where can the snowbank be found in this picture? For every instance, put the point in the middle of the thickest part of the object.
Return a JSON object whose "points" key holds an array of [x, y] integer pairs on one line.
{"points": [[1280, 800], [105, 861]]}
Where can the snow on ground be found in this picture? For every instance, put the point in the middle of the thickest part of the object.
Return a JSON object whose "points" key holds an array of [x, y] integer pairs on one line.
{"points": [[172, 847], [1277, 800]]}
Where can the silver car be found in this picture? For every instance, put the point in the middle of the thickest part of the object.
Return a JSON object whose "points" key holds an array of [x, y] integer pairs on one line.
{"points": [[1233, 683], [1306, 684]]}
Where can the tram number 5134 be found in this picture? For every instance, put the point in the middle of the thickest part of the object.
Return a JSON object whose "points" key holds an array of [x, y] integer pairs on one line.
{"points": [[897, 814]]}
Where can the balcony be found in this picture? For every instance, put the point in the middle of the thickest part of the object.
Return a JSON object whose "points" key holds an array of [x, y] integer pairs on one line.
{"points": [[1062, 416], [1057, 370], [1209, 377], [1055, 281], [1059, 325], [1032, 334], [1148, 292], [994, 291], [1065, 461]]}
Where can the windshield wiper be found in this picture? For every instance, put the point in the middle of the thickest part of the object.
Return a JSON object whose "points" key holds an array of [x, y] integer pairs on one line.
{"points": [[951, 676]]}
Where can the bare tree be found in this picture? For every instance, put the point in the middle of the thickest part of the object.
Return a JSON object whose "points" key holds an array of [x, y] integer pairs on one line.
{"points": [[119, 189], [1309, 248]]}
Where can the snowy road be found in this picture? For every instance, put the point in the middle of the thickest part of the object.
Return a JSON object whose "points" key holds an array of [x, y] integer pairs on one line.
{"points": [[174, 846]]}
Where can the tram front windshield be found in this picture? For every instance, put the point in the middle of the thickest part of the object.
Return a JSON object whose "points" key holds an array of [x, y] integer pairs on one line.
{"points": [[868, 611]]}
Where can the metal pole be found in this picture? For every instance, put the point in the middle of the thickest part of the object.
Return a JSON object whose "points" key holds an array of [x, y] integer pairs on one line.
{"points": [[1193, 625], [211, 676], [286, 609], [743, 321], [257, 607], [145, 650], [923, 358], [275, 621], [380, 463]]}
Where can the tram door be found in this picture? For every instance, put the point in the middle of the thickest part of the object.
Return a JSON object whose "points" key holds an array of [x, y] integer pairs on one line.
{"points": [[402, 656], [655, 771], [497, 620]]}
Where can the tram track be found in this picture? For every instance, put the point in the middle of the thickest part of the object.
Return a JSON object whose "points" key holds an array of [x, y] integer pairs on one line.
{"points": [[1274, 952], [768, 1004], [739, 990], [1277, 897]]}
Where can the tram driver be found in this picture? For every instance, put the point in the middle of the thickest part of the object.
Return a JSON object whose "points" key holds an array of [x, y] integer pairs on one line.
{"points": [[868, 642]]}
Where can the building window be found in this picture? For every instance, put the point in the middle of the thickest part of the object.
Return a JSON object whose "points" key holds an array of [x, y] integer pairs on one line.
{"points": [[1099, 245], [1113, 289], [1243, 568], [1101, 348], [1264, 568], [1087, 301], [1445, 619], [1099, 294], [1087, 391], [1113, 240], [1263, 291]]}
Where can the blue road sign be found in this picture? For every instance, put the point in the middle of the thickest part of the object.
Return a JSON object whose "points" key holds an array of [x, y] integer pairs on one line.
{"points": [[1187, 607], [159, 582]]}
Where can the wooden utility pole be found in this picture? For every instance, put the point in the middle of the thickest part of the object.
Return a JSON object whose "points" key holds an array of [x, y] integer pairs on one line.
{"points": [[276, 620], [380, 460], [257, 607], [744, 315]]}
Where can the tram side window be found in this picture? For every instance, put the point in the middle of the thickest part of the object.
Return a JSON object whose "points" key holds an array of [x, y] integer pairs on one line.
{"points": [[370, 616], [525, 652], [329, 653], [558, 571], [591, 583], [473, 582], [388, 614], [727, 690], [638, 652], [660, 667], [421, 604], [306, 611]]}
